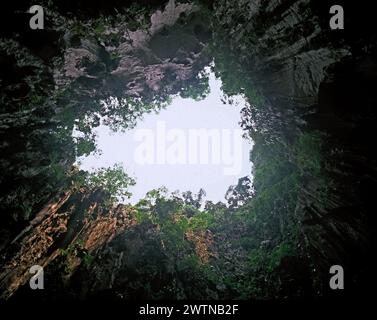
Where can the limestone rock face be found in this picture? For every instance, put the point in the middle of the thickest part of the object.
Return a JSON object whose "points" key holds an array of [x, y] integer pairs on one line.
{"points": [[161, 56], [90, 251], [318, 79], [286, 51], [312, 79], [54, 76], [62, 231]]}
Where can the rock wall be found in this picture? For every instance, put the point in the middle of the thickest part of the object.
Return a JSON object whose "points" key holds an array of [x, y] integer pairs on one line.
{"points": [[313, 79], [55, 77], [318, 80]]}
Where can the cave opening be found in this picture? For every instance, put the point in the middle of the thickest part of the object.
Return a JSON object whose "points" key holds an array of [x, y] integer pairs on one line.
{"points": [[130, 82], [195, 143]]}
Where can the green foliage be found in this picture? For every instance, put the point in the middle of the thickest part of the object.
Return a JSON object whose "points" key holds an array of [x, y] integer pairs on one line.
{"points": [[176, 232], [198, 89], [114, 181], [36, 99], [85, 146], [188, 263], [235, 78], [87, 260], [245, 241], [264, 260], [202, 221], [122, 114], [266, 214], [173, 235], [308, 153], [255, 97]]}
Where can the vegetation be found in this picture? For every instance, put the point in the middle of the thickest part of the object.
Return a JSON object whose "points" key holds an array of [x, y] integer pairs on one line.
{"points": [[195, 248]]}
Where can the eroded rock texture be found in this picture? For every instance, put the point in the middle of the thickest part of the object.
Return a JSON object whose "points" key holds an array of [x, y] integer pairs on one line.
{"points": [[54, 77], [90, 251], [322, 80], [157, 59], [311, 78]]}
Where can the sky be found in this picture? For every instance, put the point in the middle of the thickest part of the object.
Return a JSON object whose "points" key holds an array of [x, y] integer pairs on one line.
{"points": [[187, 146]]}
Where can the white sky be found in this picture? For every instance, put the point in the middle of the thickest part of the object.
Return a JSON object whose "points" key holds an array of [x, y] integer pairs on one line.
{"points": [[183, 114]]}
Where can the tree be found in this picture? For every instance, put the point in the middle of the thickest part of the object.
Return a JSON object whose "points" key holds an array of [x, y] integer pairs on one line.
{"points": [[197, 88], [114, 181], [238, 195]]}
